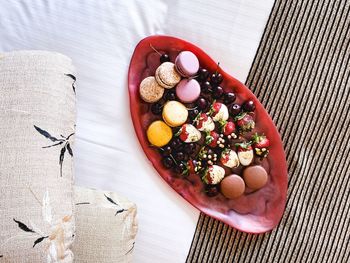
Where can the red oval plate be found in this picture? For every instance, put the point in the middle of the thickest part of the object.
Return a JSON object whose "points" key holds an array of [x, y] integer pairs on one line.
{"points": [[256, 212]]}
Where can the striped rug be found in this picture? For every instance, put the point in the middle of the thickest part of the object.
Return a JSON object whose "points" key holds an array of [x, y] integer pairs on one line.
{"points": [[301, 73]]}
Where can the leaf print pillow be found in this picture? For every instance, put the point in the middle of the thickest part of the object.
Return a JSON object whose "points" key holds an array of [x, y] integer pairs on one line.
{"points": [[37, 105], [107, 219]]}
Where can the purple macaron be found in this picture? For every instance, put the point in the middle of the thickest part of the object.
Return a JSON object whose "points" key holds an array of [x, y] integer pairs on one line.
{"points": [[188, 90], [187, 63]]}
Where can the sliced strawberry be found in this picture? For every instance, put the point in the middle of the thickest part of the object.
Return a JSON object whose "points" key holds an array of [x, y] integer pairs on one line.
{"points": [[212, 139], [245, 122]]}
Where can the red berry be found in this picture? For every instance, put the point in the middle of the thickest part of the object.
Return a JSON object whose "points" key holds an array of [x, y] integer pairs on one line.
{"points": [[216, 107], [260, 141], [245, 122], [212, 139], [244, 147], [228, 128], [183, 134]]}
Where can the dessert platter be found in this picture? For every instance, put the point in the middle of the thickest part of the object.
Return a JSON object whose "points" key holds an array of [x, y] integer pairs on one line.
{"points": [[207, 135]]}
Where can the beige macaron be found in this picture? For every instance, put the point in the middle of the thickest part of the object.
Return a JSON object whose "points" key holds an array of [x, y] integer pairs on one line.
{"points": [[174, 113], [167, 76], [150, 90]]}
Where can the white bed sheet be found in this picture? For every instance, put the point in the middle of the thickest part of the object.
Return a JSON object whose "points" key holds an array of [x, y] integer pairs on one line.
{"points": [[100, 37]]}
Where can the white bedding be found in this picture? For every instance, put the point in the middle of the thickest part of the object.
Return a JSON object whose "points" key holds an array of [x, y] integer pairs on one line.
{"points": [[100, 37]]}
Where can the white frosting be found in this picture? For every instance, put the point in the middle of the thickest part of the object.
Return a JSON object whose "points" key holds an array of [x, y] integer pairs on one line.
{"points": [[246, 157], [222, 115], [207, 125], [193, 134], [216, 174], [232, 161]]}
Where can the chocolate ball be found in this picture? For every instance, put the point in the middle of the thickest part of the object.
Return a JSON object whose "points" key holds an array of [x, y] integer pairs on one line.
{"points": [[255, 177], [232, 186]]}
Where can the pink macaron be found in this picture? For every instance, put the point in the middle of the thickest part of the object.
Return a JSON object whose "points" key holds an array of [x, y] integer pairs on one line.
{"points": [[187, 63], [188, 90]]}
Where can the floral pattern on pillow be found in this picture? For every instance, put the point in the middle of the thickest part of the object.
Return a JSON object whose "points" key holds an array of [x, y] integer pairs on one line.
{"points": [[62, 140], [55, 237]]}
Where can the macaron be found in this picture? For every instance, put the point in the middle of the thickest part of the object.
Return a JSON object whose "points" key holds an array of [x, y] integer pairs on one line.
{"points": [[174, 113], [159, 134], [187, 63], [255, 176], [188, 90], [232, 186], [167, 76], [150, 90]]}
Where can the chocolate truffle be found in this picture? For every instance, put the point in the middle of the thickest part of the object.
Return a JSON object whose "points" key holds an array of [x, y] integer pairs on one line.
{"points": [[255, 177], [232, 186]]}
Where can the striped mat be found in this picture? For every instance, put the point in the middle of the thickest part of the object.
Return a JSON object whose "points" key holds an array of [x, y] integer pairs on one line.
{"points": [[301, 75]]}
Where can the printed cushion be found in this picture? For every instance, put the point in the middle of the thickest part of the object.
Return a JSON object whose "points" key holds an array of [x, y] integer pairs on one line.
{"points": [[106, 227], [37, 116]]}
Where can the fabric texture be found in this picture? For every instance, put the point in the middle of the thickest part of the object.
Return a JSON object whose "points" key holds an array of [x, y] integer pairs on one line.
{"points": [[37, 116], [301, 73], [106, 227]]}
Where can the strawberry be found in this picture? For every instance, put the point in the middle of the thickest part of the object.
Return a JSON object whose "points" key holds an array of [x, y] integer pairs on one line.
{"points": [[229, 158], [192, 167], [219, 111], [245, 153], [260, 145], [188, 133], [227, 127], [204, 123], [212, 139], [245, 122], [213, 174]]}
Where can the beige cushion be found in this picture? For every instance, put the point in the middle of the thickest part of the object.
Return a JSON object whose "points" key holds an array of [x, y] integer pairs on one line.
{"points": [[105, 227], [37, 106]]}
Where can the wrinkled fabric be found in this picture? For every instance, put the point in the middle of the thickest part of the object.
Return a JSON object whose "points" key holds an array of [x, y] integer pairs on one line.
{"points": [[100, 37]]}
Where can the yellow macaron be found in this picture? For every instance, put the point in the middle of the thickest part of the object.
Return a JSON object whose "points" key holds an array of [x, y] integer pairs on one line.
{"points": [[174, 113], [159, 134]]}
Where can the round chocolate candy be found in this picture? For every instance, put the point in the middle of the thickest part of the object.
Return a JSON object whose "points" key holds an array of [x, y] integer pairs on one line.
{"points": [[232, 186], [255, 177]]}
